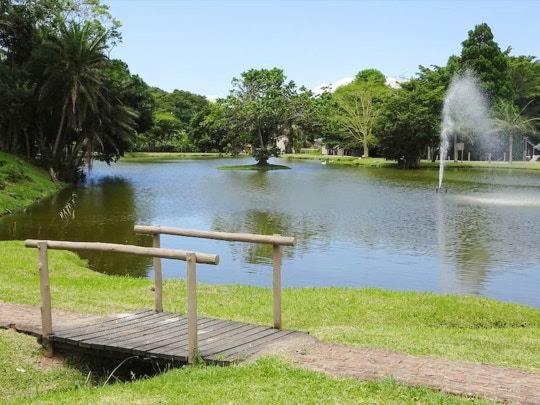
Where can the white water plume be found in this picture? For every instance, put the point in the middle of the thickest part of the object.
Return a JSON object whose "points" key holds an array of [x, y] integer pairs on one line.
{"points": [[465, 114]]}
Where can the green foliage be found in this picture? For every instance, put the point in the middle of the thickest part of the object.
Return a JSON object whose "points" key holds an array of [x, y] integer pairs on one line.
{"points": [[356, 108], [410, 119], [65, 104], [263, 105], [482, 54]]}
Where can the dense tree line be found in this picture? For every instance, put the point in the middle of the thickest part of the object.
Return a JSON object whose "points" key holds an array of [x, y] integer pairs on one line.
{"points": [[64, 102]]}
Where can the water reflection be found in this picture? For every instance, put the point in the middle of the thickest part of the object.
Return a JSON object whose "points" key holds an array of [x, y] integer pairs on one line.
{"points": [[104, 210], [353, 226], [265, 223]]}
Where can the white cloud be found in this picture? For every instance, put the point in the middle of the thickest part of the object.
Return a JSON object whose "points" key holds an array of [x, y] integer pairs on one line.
{"points": [[393, 82], [213, 98], [331, 87]]}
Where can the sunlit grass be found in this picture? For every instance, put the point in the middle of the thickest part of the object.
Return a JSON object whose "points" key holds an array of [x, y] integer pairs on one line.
{"points": [[28, 377], [449, 326], [21, 184]]}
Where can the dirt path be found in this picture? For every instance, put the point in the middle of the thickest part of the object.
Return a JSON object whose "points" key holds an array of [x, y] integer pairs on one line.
{"points": [[456, 377]]}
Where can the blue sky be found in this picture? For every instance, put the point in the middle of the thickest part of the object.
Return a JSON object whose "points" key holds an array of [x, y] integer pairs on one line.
{"points": [[200, 45]]}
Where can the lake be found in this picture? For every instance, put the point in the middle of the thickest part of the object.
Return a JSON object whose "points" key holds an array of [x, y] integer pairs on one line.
{"points": [[354, 227]]}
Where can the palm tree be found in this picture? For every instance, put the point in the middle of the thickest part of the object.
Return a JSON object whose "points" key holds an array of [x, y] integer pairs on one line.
{"points": [[72, 80], [511, 119]]}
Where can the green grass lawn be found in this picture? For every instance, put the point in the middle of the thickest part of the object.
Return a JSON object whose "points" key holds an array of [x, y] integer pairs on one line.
{"points": [[381, 162], [455, 327], [21, 184], [27, 377]]}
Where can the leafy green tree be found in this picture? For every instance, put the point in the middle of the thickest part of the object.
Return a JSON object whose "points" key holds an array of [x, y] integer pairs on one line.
{"points": [[525, 84], [512, 121], [72, 79], [133, 92], [410, 118], [357, 107], [211, 130], [259, 107], [482, 54]]}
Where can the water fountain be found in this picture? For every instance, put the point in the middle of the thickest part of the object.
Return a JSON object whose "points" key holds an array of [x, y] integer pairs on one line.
{"points": [[465, 113]]}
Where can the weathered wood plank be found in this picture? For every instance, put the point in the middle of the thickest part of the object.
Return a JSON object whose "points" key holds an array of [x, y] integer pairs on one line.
{"points": [[175, 330], [181, 343], [162, 324], [235, 341], [164, 336], [97, 329], [174, 336], [245, 350], [232, 340], [103, 321]]}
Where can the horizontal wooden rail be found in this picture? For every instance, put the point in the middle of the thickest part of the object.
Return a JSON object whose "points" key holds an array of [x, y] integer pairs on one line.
{"points": [[204, 258], [191, 259], [277, 241], [232, 237]]}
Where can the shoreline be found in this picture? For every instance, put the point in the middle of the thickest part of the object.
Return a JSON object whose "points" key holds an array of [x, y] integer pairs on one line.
{"points": [[355, 161], [23, 184]]}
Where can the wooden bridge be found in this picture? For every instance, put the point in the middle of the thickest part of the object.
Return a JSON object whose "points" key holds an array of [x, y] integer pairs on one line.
{"points": [[157, 334]]}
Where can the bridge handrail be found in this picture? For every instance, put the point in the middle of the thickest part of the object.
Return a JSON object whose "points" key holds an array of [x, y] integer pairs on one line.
{"points": [[191, 258], [227, 236], [277, 241]]}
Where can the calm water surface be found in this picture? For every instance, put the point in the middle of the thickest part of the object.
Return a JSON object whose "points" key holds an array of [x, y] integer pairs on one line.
{"points": [[354, 227]]}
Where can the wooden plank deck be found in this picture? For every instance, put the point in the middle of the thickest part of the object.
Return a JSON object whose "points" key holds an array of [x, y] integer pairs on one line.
{"points": [[163, 336]]}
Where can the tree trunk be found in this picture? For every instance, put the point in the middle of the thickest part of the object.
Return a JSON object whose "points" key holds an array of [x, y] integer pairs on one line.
{"points": [[366, 148], [60, 127], [27, 139], [510, 147]]}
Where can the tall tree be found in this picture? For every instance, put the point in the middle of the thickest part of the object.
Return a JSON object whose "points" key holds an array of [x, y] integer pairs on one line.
{"points": [[71, 81], [482, 54], [410, 119], [259, 106], [357, 107]]}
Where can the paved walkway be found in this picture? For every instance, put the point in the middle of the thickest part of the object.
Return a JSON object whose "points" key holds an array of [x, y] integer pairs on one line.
{"points": [[455, 377]]}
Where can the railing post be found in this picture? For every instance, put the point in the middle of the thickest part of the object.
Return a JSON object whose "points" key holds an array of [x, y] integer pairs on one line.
{"points": [[45, 292], [276, 284], [191, 261], [158, 277]]}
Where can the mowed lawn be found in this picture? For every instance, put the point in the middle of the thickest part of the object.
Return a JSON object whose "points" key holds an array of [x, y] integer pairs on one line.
{"points": [[27, 377], [449, 326]]}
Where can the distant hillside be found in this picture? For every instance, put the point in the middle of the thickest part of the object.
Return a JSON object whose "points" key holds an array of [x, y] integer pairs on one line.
{"points": [[21, 183]]}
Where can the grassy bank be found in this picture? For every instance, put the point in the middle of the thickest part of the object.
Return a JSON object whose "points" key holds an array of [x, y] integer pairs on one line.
{"points": [[22, 184], [27, 377], [381, 162], [455, 327]]}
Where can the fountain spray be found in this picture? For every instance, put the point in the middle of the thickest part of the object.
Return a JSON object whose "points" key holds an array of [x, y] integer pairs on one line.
{"points": [[465, 113]]}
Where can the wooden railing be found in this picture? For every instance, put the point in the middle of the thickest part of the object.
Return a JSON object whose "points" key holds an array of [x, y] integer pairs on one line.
{"points": [[277, 241], [191, 258]]}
